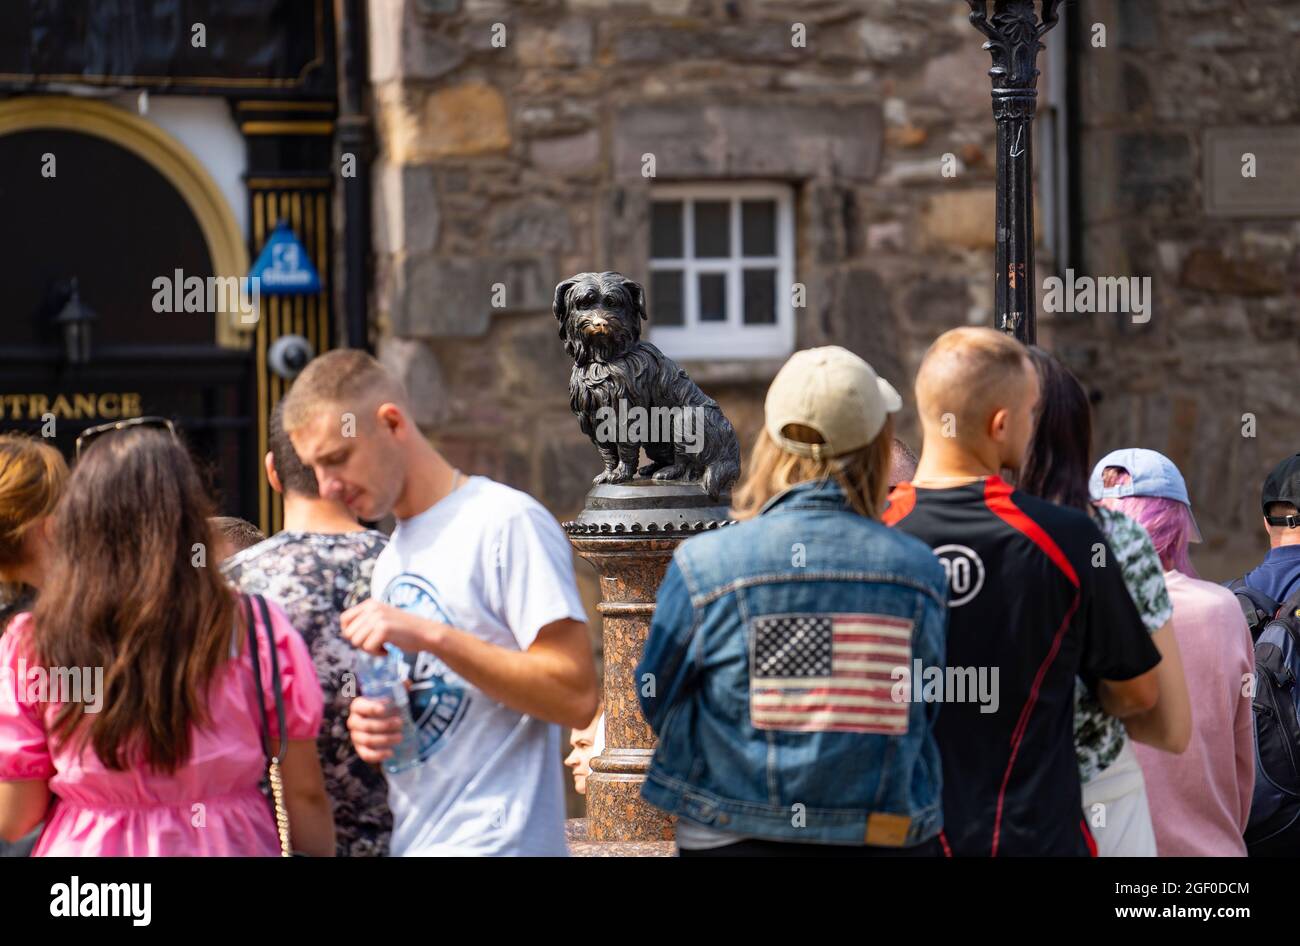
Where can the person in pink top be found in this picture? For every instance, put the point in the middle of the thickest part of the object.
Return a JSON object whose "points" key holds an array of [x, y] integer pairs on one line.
{"points": [[129, 716], [1200, 800]]}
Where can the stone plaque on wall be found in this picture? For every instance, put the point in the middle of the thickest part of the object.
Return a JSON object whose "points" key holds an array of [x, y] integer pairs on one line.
{"points": [[1274, 191]]}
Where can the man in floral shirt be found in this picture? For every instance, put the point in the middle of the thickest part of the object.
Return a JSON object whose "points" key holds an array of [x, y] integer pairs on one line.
{"points": [[317, 568]]}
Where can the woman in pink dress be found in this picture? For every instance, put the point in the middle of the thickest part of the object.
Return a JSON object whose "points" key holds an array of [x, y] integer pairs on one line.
{"points": [[128, 709]]}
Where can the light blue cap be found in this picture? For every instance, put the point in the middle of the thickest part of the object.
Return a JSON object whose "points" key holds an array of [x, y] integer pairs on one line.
{"points": [[1153, 474]]}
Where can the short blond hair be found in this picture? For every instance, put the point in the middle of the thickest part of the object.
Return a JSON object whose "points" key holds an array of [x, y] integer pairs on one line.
{"points": [[32, 477], [862, 474], [345, 379], [969, 373]]}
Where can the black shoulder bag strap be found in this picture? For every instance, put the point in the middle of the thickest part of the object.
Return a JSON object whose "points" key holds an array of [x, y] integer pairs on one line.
{"points": [[1257, 607], [272, 761]]}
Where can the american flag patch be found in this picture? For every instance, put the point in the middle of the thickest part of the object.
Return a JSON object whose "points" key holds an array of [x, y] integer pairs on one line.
{"points": [[829, 672]]}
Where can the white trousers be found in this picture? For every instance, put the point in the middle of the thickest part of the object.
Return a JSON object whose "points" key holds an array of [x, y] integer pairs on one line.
{"points": [[1116, 811]]}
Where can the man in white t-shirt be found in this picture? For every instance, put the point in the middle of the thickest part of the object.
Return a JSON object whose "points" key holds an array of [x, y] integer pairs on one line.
{"points": [[476, 587]]}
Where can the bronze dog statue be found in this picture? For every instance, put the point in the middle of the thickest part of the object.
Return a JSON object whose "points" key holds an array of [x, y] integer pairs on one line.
{"points": [[629, 396]]}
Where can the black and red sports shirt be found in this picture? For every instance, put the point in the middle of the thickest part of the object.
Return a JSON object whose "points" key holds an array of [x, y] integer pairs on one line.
{"points": [[1026, 599]]}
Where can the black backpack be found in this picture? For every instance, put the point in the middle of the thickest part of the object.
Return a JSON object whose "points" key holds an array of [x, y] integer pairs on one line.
{"points": [[1274, 825]]}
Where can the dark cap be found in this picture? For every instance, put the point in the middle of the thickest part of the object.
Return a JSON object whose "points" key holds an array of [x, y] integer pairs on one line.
{"points": [[1282, 486]]}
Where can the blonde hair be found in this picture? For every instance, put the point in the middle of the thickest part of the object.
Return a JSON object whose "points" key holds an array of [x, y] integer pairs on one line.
{"points": [[238, 533], [862, 474], [346, 379], [969, 373], [32, 477]]}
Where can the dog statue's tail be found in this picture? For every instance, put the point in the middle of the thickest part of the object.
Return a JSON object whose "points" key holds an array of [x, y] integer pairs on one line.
{"points": [[719, 476]]}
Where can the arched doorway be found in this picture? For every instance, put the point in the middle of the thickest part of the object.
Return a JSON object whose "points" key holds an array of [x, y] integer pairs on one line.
{"points": [[97, 201]]}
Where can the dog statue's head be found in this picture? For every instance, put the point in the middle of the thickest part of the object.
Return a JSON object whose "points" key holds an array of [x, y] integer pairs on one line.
{"points": [[600, 315]]}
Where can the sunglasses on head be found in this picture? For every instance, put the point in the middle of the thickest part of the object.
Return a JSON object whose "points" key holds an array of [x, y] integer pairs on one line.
{"points": [[91, 434]]}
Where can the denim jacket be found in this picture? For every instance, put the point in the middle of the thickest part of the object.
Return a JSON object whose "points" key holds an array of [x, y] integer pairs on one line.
{"points": [[772, 677]]}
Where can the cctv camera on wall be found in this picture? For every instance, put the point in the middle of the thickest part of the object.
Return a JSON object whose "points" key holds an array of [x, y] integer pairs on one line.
{"points": [[288, 355]]}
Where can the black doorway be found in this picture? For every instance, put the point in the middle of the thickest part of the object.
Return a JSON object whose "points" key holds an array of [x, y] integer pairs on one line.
{"points": [[109, 220]]}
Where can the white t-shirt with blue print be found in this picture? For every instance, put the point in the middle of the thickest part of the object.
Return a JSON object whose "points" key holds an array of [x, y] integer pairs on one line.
{"points": [[491, 561]]}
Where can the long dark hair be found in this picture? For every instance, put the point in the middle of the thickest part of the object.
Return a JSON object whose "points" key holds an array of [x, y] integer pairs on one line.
{"points": [[1056, 463], [127, 593]]}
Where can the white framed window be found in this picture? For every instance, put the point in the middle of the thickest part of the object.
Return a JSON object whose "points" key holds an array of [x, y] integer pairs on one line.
{"points": [[721, 270]]}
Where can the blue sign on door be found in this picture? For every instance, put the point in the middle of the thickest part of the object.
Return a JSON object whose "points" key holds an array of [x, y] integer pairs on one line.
{"points": [[284, 266]]}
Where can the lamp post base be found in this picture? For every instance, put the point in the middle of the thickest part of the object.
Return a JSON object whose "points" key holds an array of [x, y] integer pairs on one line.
{"points": [[628, 533], [581, 845], [615, 811]]}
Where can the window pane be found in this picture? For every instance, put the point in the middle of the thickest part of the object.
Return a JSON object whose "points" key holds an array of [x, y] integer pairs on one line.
{"points": [[666, 230], [758, 225], [666, 297], [760, 297], [712, 228], [713, 297]]}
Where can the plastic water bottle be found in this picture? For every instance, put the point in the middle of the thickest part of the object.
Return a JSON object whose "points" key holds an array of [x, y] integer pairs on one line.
{"points": [[381, 679]]}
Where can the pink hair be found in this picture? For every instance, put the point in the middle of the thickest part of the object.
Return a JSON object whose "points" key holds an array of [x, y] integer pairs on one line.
{"points": [[1168, 522]]}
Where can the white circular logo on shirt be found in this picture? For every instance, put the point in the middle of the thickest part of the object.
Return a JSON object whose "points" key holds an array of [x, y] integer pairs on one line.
{"points": [[438, 698], [964, 571]]}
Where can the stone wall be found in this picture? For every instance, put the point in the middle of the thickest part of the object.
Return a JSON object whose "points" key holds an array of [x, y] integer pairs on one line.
{"points": [[1223, 340], [512, 136], [520, 164]]}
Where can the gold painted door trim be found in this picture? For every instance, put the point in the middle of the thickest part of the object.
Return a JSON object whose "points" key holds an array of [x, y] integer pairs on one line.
{"points": [[307, 211], [166, 155]]}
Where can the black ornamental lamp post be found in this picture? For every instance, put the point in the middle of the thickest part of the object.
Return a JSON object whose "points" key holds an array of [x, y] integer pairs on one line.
{"points": [[1013, 32]]}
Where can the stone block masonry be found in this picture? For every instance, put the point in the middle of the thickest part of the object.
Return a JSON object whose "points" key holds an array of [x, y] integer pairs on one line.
{"points": [[511, 145], [513, 165], [1209, 380]]}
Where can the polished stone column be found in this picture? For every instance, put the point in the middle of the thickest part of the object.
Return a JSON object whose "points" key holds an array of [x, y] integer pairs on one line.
{"points": [[628, 533]]}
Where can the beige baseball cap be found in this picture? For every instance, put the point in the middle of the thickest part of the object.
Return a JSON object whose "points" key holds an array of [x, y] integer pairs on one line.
{"points": [[834, 392]]}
